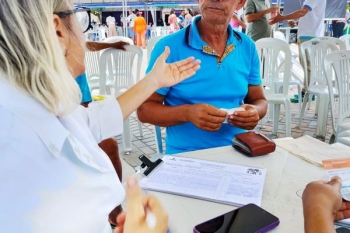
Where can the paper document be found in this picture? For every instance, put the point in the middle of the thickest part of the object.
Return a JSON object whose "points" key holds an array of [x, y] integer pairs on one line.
{"points": [[219, 182], [312, 150], [341, 168]]}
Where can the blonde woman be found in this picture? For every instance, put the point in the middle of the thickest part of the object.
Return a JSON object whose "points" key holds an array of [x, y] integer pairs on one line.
{"points": [[53, 175]]}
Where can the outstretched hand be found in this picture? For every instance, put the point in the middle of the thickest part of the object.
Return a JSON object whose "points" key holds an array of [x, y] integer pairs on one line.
{"points": [[276, 19], [169, 74]]}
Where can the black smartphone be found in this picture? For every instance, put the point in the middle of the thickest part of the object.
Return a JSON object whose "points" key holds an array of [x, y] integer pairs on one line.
{"points": [[246, 219]]}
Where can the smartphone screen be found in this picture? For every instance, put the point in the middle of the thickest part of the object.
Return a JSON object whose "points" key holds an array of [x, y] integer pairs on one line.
{"points": [[247, 219]]}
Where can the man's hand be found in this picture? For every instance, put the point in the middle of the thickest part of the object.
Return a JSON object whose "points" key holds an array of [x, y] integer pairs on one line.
{"points": [[292, 23], [119, 45], [247, 119], [276, 19], [272, 9], [206, 117]]}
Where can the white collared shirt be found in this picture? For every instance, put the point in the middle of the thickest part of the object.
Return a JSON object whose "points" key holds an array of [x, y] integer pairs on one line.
{"points": [[53, 176]]}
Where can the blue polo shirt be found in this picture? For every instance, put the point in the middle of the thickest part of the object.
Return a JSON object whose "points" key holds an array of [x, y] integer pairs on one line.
{"points": [[222, 83]]}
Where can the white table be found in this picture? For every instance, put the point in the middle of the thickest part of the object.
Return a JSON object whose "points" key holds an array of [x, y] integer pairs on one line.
{"points": [[286, 175]]}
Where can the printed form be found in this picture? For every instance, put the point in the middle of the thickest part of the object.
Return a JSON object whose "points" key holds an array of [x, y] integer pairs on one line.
{"points": [[213, 181]]}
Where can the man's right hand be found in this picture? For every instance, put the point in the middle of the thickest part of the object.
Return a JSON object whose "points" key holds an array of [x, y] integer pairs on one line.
{"points": [[292, 23], [206, 117], [272, 9]]}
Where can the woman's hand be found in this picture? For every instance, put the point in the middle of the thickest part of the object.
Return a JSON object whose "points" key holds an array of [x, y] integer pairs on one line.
{"points": [[135, 219], [170, 74]]}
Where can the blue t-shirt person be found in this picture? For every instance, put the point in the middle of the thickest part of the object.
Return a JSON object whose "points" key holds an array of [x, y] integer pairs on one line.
{"points": [[222, 84], [84, 88]]}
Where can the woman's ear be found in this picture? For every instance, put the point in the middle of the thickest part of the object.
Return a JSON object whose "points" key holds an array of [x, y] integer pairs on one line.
{"points": [[60, 31]]}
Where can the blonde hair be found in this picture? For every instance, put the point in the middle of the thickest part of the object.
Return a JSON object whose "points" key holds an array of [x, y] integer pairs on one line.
{"points": [[30, 54]]}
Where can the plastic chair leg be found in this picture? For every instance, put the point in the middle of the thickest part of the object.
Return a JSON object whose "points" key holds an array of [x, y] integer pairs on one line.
{"points": [[288, 118], [126, 137], [276, 112], [302, 112], [322, 116], [158, 136], [140, 127], [299, 102]]}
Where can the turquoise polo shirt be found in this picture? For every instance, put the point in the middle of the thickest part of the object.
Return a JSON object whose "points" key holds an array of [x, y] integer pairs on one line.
{"points": [[222, 83]]}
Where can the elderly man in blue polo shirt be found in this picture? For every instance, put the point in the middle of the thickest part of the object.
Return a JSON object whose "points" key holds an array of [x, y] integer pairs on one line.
{"points": [[229, 78]]}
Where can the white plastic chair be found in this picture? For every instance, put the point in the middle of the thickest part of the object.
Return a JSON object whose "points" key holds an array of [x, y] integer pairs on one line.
{"points": [[117, 72], [150, 45], [269, 50], [296, 79], [338, 63], [346, 40], [92, 69], [315, 51], [341, 45], [158, 134]]}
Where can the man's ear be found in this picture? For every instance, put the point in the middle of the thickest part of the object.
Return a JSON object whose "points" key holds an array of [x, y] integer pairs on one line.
{"points": [[60, 30], [240, 4]]}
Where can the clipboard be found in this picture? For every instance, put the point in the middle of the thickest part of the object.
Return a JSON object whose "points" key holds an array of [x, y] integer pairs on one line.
{"points": [[230, 184]]}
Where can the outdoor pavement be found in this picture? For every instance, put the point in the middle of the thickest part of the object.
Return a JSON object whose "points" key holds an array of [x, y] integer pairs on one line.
{"points": [[146, 144]]}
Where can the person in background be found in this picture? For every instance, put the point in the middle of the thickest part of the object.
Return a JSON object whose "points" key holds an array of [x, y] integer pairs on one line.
{"points": [[188, 17], [310, 25], [182, 19], [339, 25], [192, 111], [110, 20], [257, 15], [53, 175], [140, 28], [131, 17], [172, 21], [149, 28], [236, 22]]}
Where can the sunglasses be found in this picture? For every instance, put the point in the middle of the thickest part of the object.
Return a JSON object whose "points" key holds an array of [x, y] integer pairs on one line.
{"points": [[82, 15]]}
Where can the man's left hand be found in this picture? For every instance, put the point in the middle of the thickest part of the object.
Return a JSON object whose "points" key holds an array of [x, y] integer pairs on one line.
{"points": [[119, 45], [276, 19], [247, 119]]}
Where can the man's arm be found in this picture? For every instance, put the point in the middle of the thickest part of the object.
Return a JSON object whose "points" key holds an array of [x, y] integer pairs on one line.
{"points": [[251, 17], [202, 115], [294, 15], [97, 46]]}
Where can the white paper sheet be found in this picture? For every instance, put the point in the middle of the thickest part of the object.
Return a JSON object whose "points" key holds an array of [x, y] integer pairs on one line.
{"points": [[225, 183], [312, 150]]}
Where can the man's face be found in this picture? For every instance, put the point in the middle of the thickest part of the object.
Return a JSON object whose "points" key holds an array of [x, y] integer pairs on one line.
{"points": [[182, 13], [130, 12], [219, 12]]}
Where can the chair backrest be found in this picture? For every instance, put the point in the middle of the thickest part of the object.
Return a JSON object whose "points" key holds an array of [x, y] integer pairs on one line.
{"points": [[150, 45], [341, 45], [119, 67], [346, 40], [119, 38], [338, 63], [315, 51], [91, 63], [279, 35], [269, 50]]}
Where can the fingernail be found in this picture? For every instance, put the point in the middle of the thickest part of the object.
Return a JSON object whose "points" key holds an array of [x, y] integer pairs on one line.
{"points": [[132, 182]]}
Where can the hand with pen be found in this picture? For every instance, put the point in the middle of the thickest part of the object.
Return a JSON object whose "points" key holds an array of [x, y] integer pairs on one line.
{"points": [[145, 214]]}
